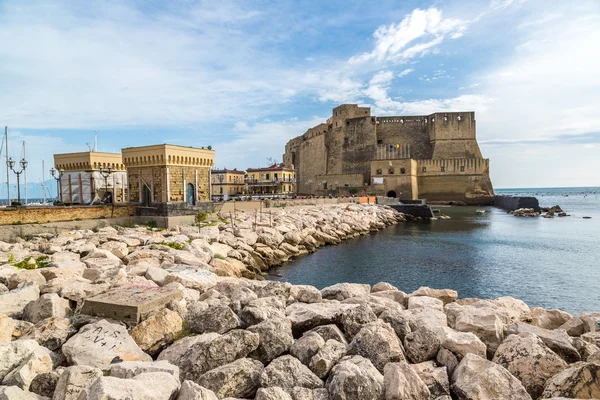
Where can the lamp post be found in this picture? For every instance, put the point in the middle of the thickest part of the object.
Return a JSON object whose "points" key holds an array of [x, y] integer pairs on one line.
{"points": [[53, 172], [11, 164], [105, 175]]}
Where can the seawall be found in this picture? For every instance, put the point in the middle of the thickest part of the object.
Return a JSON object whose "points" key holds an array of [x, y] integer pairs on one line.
{"points": [[511, 203]]}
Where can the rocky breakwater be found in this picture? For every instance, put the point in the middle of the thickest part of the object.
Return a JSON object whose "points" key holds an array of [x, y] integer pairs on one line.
{"points": [[229, 337]]}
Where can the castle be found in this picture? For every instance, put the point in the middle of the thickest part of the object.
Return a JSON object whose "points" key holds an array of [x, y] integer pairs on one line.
{"points": [[435, 157]]}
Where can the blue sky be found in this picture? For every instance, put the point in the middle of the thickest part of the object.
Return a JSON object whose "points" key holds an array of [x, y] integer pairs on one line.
{"points": [[247, 76]]}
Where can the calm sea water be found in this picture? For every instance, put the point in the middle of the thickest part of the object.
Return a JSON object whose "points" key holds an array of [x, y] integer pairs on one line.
{"points": [[553, 263]]}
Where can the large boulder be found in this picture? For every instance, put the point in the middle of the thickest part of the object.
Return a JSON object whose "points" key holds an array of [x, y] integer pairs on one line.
{"points": [[13, 353], [355, 378], [263, 309], [275, 338], [327, 356], [580, 380], [484, 323], [478, 378], [7, 327], [305, 294], [198, 354], [549, 319], [527, 358], [353, 320], [425, 302], [328, 332], [378, 343], [403, 383], [307, 316], [36, 363], [445, 295], [192, 391], [288, 372], [48, 305], [74, 380], [557, 340], [51, 333], [272, 393], [435, 378], [147, 386], [157, 331], [101, 344], [342, 291], [305, 348], [16, 393], [12, 303], [129, 369], [219, 319], [422, 345], [461, 343], [238, 379]]}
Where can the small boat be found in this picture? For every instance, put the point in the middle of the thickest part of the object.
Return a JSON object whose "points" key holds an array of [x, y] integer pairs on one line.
{"points": [[479, 211]]}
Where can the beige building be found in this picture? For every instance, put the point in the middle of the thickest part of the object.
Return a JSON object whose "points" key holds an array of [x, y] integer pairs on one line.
{"points": [[81, 181], [276, 180], [168, 173], [227, 182]]}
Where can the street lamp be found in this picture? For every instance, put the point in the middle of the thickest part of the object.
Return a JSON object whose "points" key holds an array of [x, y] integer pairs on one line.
{"points": [[105, 175], [53, 172], [11, 165]]}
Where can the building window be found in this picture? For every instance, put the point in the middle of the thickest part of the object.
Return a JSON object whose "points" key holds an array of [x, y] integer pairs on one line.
{"points": [[346, 140], [402, 170], [443, 169], [462, 168], [267, 177], [424, 169], [380, 142], [379, 171], [391, 171]]}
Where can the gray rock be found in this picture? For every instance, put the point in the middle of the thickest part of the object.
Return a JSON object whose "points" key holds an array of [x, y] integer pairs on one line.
{"points": [[549, 319], [192, 391], [263, 309], [272, 393], [147, 386], [219, 319], [288, 372], [527, 358], [305, 317], [198, 354], [74, 380], [398, 320], [36, 363], [382, 286], [327, 356], [574, 327], [46, 306], [300, 393], [590, 321], [13, 353], [353, 320], [585, 349], [484, 323], [275, 338], [461, 343], [16, 393], [237, 379], [51, 333], [580, 380], [402, 383], [425, 302], [448, 359], [355, 378], [44, 384], [421, 345], [445, 295], [305, 294], [13, 303], [129, 369], [378, 343], [328, 332], [557, 340], [342, 291], [100, 344], [307, 346], [478, 378], [435, 378]]}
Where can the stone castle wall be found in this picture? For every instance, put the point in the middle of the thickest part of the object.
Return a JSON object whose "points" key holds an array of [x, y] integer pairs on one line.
{"points": [[348, 143], [41, 215]]}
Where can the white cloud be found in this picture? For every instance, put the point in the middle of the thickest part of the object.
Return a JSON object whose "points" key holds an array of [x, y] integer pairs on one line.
{"points": [[405, 72], [399, 42]]}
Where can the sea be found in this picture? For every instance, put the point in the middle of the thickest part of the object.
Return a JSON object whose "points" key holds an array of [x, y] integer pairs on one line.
{"points": [[546, 262]]}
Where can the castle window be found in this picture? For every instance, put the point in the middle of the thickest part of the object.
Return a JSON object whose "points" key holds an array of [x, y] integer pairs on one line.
{"points": [[391, 171], [459, 118], [402, 170], [424, 169], [346, 140], [336, 124], [443, 168], [380, 142], [379, 171], [462, 168]]}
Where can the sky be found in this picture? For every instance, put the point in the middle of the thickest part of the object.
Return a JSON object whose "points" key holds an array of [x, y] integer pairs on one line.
{"points": [[247, 76]]}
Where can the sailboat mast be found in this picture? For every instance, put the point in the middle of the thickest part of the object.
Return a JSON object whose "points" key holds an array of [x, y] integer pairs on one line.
{"points": [[25, 171], [44, 181], [7, 169]]}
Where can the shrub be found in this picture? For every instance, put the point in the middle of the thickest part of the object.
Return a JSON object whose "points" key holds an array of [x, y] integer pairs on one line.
{"points": [[174, 245], [201, 217]]}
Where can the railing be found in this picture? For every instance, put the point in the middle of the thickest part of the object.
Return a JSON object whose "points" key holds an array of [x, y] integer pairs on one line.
{"points": [[392, 152]]}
